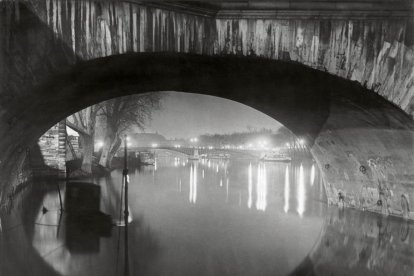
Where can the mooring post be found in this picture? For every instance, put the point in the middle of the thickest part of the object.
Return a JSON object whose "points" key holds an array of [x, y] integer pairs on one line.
{"points": [[60, 197], [126, 213]]}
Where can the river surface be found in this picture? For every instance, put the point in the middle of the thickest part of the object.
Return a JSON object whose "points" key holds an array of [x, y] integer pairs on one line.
{"points": [[208, 217]]}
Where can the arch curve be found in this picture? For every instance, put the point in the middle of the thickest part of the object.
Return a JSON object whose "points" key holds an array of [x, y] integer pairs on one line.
{"points": [[346, 125]]}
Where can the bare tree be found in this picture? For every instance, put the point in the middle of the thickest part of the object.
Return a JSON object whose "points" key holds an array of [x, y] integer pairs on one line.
{"points": [[120, 115], [84, 123]]}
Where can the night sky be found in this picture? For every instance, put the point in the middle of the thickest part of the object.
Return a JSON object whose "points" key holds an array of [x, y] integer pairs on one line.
{"points": [[188, 115]]}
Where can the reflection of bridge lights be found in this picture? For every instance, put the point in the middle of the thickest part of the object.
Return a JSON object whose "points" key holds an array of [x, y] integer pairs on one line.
{"points": [[312, 174], [193, 183], [287, 190], [261, 188], [301, 197], [249, 201], [190, 196], [227, 190], [154, 145]]}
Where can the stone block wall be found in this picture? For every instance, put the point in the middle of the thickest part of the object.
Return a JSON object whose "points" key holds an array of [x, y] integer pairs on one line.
{"points": [[378, 53], [52, 146]]}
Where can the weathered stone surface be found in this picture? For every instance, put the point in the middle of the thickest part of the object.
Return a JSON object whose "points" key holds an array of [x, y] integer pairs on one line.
{"points": [[52, 145], [51, 66], [26, 57], [377, 53], [358, 243]]}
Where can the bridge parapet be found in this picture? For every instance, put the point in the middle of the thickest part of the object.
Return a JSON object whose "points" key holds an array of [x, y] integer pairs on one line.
{"points": [[376, 51], [190, 151]]}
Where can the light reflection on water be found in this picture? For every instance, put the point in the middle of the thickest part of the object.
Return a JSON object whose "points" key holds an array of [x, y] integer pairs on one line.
{"points": [[238, 205], [193, 183], [212, 230], [249, 201], [261, 187], [287, 190], [301, 196], [312, 174], [205, 218]]}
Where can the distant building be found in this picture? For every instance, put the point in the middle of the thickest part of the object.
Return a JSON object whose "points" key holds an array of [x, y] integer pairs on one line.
{"points": [[147, 140]]}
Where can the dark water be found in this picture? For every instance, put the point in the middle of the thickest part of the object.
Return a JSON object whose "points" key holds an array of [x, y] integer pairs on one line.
{"points": [[227, 217], [209, 217]]}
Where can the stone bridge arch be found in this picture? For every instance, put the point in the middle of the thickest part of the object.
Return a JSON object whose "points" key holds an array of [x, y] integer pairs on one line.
{"points": [[54, 65], [347, 126], [368, 42]]}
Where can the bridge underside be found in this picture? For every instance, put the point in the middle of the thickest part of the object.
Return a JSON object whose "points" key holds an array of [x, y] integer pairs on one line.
{"points": [[362, 143], [346, 85]]}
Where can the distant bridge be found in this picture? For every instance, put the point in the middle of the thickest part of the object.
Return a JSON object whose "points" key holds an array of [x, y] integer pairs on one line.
{"points": [[189, 151]]}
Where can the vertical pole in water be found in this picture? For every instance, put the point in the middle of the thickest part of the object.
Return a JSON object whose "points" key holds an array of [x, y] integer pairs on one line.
{"points": [[126, 214], [60, 198]]}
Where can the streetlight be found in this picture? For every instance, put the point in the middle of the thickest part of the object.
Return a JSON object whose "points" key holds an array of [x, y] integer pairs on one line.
{"points": [[194, 140]]}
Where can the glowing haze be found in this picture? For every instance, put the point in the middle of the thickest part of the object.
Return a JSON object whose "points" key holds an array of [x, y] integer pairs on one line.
{"points": [[187, 115]]}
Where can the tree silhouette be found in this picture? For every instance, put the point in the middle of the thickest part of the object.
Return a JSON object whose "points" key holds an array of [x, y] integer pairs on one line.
{"points": [[120, 115], [84, 123]]}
